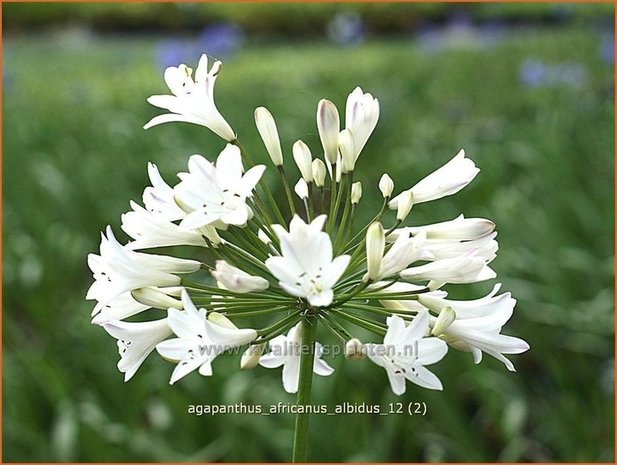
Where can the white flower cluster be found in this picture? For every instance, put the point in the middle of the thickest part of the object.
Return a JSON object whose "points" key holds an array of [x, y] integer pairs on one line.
{"points": [[297, 260]]}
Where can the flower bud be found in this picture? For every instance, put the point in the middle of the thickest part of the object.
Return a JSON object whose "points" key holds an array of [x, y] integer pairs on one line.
{"points": [[354, 350], [301, 189], [386, 186], [221, 320], [269, 134], [302, 157], [375, 245], [404, 205], [328, 125], [236, 280], [356, 192], [319, 172], [446, 317], [156, 298], [346, 147], [250, 357]]}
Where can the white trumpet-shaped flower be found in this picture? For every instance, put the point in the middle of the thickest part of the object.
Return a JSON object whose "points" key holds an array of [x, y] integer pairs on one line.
{"points": [[468, 268], [136, 341], [234, 279], [192, 101], [478, 324], [150, 230], [159, 197], [118, 270], [484, 247], [447, 180], [199, 341], [217, 194], [405, 352], [361, 115], [118, 308], [460, 228], [306, 268], [286, 351], [401, 254]]}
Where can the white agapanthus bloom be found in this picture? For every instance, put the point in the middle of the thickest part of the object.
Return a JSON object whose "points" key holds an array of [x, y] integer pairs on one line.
{"points": [[234, 279], [447, 180], [159, 197], [136, 341], [285, 351], [361, 116], [217, 193], [295, 267], [468, 268], [306, 268], [149, 230], [198, 341], [118, 270], [478, 323], [405, 352], [192, 101]]}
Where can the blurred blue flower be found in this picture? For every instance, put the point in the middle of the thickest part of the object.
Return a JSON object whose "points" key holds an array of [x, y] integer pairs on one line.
{"points": [[607, 49], [175, 51], [220, 39], [533, 72], [458, 32], [346, 28]]}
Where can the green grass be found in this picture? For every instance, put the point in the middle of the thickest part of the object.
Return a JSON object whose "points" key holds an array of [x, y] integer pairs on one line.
{"points": [[75, 153]]}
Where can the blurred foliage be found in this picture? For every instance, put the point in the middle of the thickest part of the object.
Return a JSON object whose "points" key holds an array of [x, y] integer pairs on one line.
{"points": [[75, 153], [290, 19]]}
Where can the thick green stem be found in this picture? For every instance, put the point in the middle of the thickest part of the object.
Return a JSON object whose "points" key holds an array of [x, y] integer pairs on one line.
{"points": [[309, 329]]}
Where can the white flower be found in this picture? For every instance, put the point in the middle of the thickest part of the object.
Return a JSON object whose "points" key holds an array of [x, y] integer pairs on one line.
{"points": [[375, 246], [361, 115], [386, 186], [468, 268], [286, 351], [306, 268], [136, 341], [319, 172], [460, 228], [151, 230], [269, 134], [356, 192], [447, 180], [484, 247], [199, 341], [159, 198], [217, 194], [192, 102], [403, 252], [302, 157], [234, 279], [412, 306], [118, 308], [301, 189], [118, 270], [478, 324], [328, 125], [405, 351]]}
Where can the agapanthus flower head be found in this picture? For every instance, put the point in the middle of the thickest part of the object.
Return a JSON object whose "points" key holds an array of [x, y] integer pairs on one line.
{"points": [[275, 271]]}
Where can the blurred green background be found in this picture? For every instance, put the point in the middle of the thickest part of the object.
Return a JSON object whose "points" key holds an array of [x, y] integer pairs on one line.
{"points": [[527, 90]]}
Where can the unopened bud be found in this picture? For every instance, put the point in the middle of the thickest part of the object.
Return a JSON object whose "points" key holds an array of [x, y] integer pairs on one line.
{"points": [[269, 134], [319, 172], [250, 357], [354, 350], [221, 320], [405, 203], [375, 246], [446, 317], [302, 157], [156, 298], [386, 186], [356, 192], [301, 189], [328, 125]]}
